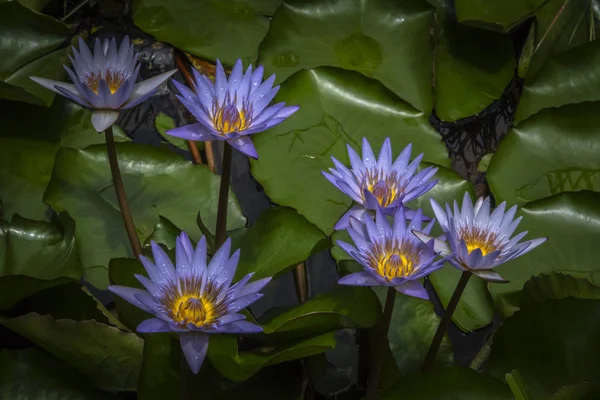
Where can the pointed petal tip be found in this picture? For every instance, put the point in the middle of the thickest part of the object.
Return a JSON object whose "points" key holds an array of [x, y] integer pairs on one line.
{"points": [[103, 119]]}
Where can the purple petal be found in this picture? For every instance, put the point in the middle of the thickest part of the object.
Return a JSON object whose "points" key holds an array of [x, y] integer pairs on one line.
{"points": [[403, 158], [235, 78], [145, 89], [252, 287], [257, 76], [359, 279], [163, 262], [385, 154], [244, 145], [77, 99], [240, 327], [128, 294], [439, 246], [199, 258], [242, 302], [368, 157], [153, 288], [154, 325], [219, 259], [196, 132], [220, 83], [414, 289], [103, 119], [260, 103], [194, 346], [489, 275], [344, 222]]}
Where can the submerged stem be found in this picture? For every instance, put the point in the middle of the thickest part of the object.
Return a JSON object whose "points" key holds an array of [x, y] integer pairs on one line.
{"points": [[382, 330], [120, 191], [223, 197], [301, 282], [446, 318]]}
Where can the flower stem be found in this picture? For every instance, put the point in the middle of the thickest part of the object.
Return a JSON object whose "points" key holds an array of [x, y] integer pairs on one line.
{"points": [[120, 191], [223, 197], [445, 322], [301, 282], [380, 344]]}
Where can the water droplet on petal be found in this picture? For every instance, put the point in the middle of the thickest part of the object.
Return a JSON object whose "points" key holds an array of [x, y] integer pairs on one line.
{"points": [[255, 84]]}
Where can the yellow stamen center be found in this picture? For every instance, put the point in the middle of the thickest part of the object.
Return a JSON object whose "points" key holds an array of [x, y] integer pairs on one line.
{"points": [[114, 80], [193, 310], [394, 265], [477, 239], [383, 192], [229, 119]]}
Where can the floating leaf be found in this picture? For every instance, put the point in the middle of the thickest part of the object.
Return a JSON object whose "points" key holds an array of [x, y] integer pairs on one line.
{"points": [[448, 384], [571, 221], [32, 374], [36, 255], [566, 78], [240, 365], [279, 240], [552, 152], [158, 183], [472, 70], [224, 29], [31, 45], [110, 357], [338, 107], [498, 14], [343, 307], [553, 344], [356, 35]]}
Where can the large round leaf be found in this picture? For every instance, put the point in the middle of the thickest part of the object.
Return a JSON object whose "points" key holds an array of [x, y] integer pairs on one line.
{"points": [[29, 140], [571, 221], [343, 307], [29, 46], [36, 255], [280, 239], [240, 365], [552, 343], [567, 78], [110, 357], [157, 183], [386, 40], [448, 384], [499, 14], [473, 67], [552, 152], [32, 374], [338, 107], [224, 29]]}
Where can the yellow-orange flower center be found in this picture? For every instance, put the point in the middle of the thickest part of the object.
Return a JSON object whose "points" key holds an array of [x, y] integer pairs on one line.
{"points": [[228, 119], [478, 239], [193, 310], [395, 265], [114, 80]]}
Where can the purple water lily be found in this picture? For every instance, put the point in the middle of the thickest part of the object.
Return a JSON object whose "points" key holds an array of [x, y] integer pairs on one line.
{"points": [[477, 239], [231, 109], [193, 299], [391, 255], [105, 81], [379, 183]]}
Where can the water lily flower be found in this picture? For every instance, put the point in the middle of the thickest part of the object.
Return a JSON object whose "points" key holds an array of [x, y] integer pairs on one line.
{"points": [[477, 239], [391, 255], [379, 183], [105, 81], [192, 298], [231, 109]]}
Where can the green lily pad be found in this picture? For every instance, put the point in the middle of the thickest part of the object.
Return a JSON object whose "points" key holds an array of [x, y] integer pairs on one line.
{"points": [[30, 138], [412, 327], [338, 107], [32, 374], [31, 46], [279, 240], [240, 365], [448, 384], [497, 14], [570, 220], [36, 255], [343, 307], [224, 29], [108, 356], [157, 183], [552, 152], [566, 78], [159, 373], [356, 35], [552, 343], [473, 68]]}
